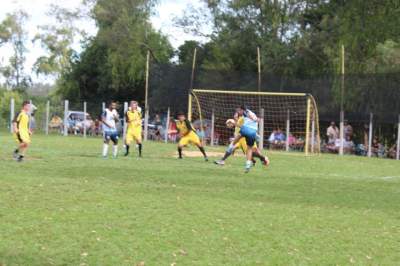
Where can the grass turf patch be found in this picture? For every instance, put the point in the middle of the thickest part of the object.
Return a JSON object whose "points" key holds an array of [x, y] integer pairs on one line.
{"points": [[67, 205]]}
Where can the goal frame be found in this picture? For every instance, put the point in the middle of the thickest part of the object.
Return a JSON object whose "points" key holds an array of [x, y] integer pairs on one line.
{"points": [[309, 120]]}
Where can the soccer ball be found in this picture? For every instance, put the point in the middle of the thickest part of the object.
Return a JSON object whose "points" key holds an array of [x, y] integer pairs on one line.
{"points": [[230, 123]]}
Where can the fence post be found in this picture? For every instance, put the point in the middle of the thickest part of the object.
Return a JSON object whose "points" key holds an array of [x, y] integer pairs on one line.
{"points": [[46, 124], [212, 139], [103, 106], [146, 124], [261, 130], [341, 148], [398, 141], [66, 107], [167, 125], [287, 130], [84, 119], [125, 124], [371, 117], [12, 114]]}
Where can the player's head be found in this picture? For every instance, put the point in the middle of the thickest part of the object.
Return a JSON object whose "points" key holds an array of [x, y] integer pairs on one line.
{"points": [[133, 105], [112, 105], [26, 106], [181, 116], [240, 110]]}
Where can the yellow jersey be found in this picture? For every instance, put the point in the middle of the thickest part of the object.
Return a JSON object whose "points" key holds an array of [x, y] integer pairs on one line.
{"points": [[239, 124], [184, 127], [22, 120], [134, 119]]}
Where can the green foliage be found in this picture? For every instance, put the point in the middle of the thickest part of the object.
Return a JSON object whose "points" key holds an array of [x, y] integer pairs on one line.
{"points": [[13, 32], [67, 206], [113, 63], [5, 101]]}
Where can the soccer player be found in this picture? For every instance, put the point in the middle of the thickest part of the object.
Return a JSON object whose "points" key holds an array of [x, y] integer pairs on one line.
{"points": [[22, 133], [249, 131], [134, 128], [237, 122], [187, 135], [109, 118]]}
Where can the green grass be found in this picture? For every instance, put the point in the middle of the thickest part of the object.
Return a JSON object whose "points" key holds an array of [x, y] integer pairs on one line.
{"points": [[67, 206]]}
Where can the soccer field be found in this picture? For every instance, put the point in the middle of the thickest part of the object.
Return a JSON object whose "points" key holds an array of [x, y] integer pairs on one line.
{"points": [[67, 206]]}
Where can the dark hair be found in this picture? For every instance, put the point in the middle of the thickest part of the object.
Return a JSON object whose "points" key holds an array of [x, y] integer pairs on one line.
{"points": [[243, 107], [180, 113], [25, 103]]}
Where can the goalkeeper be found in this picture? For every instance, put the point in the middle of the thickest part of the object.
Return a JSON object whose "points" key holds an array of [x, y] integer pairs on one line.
{"points": [[237, 122]]}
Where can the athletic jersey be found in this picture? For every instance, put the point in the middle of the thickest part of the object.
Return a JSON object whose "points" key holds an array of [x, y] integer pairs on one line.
{"points": [[184, 127], [134, 119], [22, 120], [109, 117], [239, 124], [248, 122]]}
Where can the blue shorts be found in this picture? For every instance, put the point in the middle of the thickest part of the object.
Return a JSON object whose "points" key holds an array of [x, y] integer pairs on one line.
{"points": [[110, 135], [250, 135]]}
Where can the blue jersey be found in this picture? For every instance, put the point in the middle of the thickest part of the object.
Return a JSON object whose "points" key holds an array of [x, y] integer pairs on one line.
{"points": [[249, 123]]}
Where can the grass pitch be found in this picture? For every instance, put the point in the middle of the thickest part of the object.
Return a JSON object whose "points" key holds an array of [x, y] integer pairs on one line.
{"points": [[67, 206]]}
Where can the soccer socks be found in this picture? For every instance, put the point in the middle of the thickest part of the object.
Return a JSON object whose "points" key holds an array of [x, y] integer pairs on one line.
{"points": [[180, 152], [248, 165], [115, 151], [105, 150], [227, 154], [140, 149], [203, 152], [126, 150]]}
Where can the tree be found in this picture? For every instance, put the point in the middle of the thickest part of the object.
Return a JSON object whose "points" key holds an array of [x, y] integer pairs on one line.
{"points": [[112, 64], [57, 39], [13, 33]]}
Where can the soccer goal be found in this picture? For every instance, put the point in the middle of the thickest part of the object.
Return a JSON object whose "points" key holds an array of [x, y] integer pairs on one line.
{"points": [[289, 121]]}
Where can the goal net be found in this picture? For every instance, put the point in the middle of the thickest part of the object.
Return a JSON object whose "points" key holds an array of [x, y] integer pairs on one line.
{"points": [[289, 121]]}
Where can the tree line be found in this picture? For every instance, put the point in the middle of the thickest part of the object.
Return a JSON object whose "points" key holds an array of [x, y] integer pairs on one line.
{"points": [[297, 39]]}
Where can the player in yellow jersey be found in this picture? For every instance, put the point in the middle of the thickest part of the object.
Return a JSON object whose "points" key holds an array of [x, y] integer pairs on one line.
{"points": [[188, 135], [134, 127], [237, 123], [22, 133]]}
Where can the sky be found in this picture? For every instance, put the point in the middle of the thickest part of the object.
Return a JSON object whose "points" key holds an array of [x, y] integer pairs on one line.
{"points": [[162, 20]]}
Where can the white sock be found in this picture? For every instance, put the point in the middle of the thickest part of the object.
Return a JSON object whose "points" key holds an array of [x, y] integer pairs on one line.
{"points": [[249, 164], [105, 150], [115, 150]]}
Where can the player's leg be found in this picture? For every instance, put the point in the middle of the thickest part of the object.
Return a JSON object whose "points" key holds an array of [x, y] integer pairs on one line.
{"points": [[128, 141], [184, 141], [196, 141], [228, 153], [106, 143], [23, 144], [114, 139], [138, 138], [257, 154]]}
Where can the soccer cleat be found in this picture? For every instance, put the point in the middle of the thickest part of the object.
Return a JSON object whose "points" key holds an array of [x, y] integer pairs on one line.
{"points": [[20, 159], [15, 155], [219, 162], [206, 159], [247, 169], [254, 162]]}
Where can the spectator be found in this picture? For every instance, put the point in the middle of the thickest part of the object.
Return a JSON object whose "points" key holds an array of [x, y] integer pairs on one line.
{"points": [[277, 138], [348, 130], [172, 130], [158, 127], [393, 152], [56, 123], [333, 133], [348, 145]]}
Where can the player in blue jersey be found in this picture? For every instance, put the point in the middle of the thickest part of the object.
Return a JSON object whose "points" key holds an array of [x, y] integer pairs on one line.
{"points": [[249, 131]]}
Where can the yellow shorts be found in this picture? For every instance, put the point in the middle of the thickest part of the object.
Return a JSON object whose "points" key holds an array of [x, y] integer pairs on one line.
{"points": [[243, 145], [133, 134], [22, 137], [190, 138]]}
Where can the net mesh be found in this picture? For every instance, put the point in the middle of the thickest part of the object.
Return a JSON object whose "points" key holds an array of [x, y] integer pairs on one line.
{"points": [[290, 120]]}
